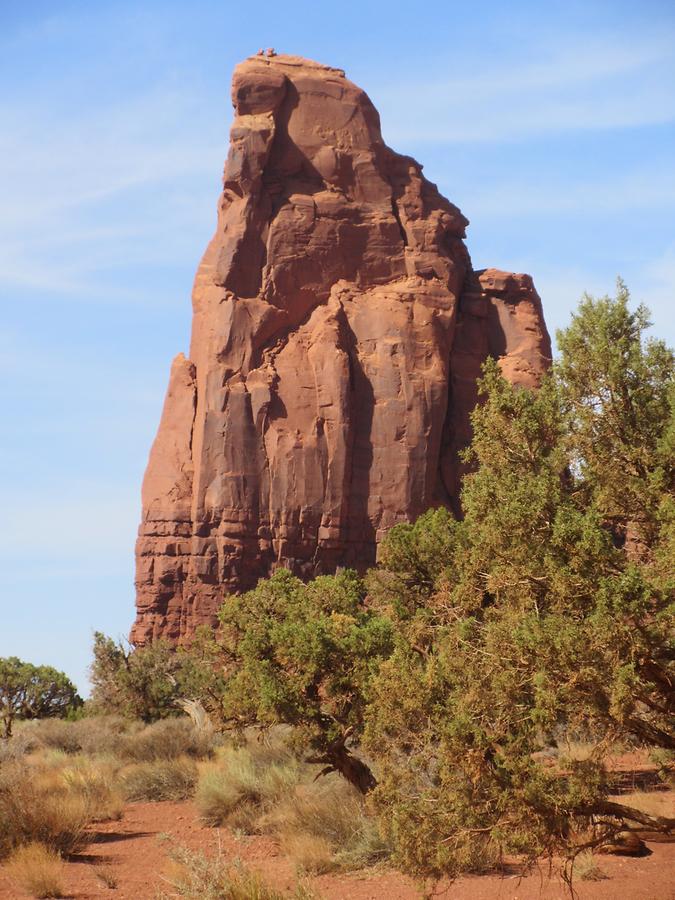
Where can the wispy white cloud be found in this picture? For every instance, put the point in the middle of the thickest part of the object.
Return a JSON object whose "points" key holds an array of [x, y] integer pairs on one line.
{"points": [[569, 85], [612, 192], [70, 189]]}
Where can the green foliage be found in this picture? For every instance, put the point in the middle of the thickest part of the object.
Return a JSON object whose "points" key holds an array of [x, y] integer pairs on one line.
{"points": [[461, 662], [541, 619], [618, 391], [413, 563], [147, 682], [303, 655], [33, 692]]}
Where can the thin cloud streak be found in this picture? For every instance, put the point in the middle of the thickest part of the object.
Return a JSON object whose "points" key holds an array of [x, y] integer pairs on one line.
{"points": [[598, 86], [643, 190]]}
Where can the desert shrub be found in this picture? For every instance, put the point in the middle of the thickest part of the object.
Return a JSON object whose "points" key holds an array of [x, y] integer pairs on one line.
{"points": [[33, 692], [243, 785], [167, 739], [92, 735], [163, 779], [196, 876], [586, 868], [325, 825], [96, 781], [21, 743], [303, 655], [35, 806], [553, 612], [38, 869], [149, 683], [104, 735], [59, 734], [124, 739]]}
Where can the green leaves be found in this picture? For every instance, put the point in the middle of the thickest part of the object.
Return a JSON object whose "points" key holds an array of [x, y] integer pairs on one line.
{"points": [[547, 611], [33, 692], [302, 655], [618, 393]]}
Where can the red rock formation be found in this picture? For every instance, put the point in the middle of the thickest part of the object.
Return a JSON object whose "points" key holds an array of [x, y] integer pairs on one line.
{"points": [[338, 330]]}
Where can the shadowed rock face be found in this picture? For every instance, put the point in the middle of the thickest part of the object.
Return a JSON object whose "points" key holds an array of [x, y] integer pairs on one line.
{"points": [[338, 331]]}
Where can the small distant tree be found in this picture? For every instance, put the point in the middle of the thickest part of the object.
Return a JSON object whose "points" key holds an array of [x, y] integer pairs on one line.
{"points": [[33, 692], [304, 655], [149, 683]]}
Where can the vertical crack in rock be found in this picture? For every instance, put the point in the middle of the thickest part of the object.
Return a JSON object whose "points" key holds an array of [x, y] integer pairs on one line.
{"points": [[338, 330]]}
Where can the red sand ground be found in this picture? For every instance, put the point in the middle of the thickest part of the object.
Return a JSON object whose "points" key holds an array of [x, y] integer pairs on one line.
{"points": [[135, 850], [132, 850]]}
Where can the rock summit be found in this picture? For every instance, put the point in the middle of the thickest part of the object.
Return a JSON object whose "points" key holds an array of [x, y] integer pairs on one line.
{"points": [[338, 331]]}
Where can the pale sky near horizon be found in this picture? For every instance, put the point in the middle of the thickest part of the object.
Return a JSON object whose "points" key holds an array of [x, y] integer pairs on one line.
{"points": [[551, 125]]}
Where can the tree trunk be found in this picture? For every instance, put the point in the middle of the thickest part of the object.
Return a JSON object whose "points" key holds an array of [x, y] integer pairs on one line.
{"points": [[352, 768], [337, 758]]}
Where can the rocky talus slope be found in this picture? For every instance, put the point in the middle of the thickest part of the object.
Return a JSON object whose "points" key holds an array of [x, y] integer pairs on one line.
{"points": [[338, 329]]}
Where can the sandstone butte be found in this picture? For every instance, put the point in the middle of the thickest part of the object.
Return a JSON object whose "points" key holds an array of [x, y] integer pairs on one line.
{"points": [[338, 330]]}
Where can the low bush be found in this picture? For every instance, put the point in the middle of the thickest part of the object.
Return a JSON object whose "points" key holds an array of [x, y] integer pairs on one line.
{"points": [[167, 739], [113, 736], [38, 869], [96, 781], [93, 735], [325, 825], [164, 779], [36, 807], [587, 869], [195, 876], [20, 744], [243, 785], [58, 734]]}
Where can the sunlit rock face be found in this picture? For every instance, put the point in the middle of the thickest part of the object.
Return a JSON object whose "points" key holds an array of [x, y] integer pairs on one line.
{"points": [[338, 330]]}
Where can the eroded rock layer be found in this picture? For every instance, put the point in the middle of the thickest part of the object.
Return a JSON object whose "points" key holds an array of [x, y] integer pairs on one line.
{"points": [[337, 334]]}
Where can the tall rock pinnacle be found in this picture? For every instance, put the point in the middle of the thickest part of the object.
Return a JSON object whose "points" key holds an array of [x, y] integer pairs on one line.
{"points": [[338, 329]]}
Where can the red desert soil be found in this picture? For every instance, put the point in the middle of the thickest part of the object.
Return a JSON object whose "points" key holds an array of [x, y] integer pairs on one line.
{"points": [[133, 850]]}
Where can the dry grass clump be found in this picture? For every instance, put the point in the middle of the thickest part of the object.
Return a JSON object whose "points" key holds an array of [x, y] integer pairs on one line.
{"points": [[35, 805], [199, 877], [587, 869], [168, 739], [96, 781], [38, 869], [20, 744], [106, 876], [243, 785], [322, 825], [311, 853], [94, 736], [325, 825], [163, 779]]}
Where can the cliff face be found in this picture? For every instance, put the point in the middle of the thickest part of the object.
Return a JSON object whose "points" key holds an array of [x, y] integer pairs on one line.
{"points": [[338, 330]]}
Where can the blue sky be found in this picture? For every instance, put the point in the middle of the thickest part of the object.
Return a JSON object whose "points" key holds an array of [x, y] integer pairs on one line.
{"points": [[551, 125]]}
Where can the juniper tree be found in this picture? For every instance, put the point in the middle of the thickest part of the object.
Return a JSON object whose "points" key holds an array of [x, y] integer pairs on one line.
{"points": [[303, 655], [33, 692], [538, 620]]}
